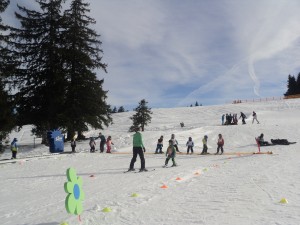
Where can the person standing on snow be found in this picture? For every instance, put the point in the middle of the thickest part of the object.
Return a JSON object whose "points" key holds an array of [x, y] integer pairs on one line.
{"points": [[254, 117], [190, 145], [92, 144], [159, 145], [108, 144], [175, 143], [171, 154], [243, 117], [220, 144], [223, 117], [73, 144], [204, 141], [102, 142], [14, 148], [138, 149]]}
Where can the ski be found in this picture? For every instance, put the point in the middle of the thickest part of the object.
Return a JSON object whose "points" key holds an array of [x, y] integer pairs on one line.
{"points": [[128, 171], [269, 152], [169, 166], [144, 171]]}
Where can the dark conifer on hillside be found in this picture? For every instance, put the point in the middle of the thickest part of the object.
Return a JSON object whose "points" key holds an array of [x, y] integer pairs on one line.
{"points": [[85, 97], [40, 79], [292, 86], [114, 110], [7, 120], [121, 109], [298, 84], [142, 116]]}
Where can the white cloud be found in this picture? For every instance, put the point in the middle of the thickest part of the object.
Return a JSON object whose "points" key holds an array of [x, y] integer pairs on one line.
{"points": [[218, 49]]}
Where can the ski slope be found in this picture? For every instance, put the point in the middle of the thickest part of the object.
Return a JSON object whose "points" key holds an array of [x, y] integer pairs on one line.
{"points": [[235, 188]]}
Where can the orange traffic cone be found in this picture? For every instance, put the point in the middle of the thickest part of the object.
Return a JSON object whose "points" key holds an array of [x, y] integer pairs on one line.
{"points": [[164, 186]]}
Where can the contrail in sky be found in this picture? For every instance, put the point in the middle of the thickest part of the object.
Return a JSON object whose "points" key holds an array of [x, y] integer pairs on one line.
{"points": [[253, 76]]}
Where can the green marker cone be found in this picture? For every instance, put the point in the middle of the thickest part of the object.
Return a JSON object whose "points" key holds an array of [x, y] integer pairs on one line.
{"points": [[106, 209]]}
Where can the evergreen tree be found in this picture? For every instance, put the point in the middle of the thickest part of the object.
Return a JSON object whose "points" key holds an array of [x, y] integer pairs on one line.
{"points": [[292, 86], [142, 116], [298, 84], [196, 104], [39, 78], [85, 101], [114, 110], [4, 53], [7, 121], [121, 109]]}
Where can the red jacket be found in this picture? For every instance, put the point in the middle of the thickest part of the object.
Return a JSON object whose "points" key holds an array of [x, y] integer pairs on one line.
{"points": [[221, 141]]}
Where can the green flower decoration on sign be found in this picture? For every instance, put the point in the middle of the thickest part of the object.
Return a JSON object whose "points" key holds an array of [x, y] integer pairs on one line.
{"points": [[75, 194]]}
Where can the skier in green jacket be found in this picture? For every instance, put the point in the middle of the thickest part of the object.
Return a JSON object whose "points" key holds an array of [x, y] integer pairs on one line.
{"points": [[138, 149]]}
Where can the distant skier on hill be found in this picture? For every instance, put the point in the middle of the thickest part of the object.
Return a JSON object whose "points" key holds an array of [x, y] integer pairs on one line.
{"points": [[159, 145], [14, 148], [92, 144], [102, 142], [73, 144], [204, 141], [108, 144], [175, 143], [171, 154], [235, 120], [243, 117], [220, 144], [190, 145], [254, 117]]}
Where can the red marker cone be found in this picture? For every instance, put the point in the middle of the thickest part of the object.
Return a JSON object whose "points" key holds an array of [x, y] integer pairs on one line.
{"points": [[164, 186]]}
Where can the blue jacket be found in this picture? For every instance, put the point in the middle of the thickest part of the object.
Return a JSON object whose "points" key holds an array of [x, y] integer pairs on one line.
{"points": [[14, 146]]}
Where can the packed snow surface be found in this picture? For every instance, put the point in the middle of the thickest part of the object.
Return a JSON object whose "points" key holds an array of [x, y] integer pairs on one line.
{"points": [[237, 187]]}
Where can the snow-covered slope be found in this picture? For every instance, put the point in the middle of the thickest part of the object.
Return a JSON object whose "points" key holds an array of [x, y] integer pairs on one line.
{"points": [[235, 188]]}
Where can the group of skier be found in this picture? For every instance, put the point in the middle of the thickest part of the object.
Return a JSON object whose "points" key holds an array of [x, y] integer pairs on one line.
{"points": [[231, 119], [103, 141], [172, 149]]}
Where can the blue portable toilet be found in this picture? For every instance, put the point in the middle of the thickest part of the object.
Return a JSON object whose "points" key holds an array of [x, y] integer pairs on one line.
{"points": [[56, 141]]}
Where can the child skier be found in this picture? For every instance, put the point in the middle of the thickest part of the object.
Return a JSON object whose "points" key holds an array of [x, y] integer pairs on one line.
{"points": [[220, 144], [73, 145], [204, 141], [14, 148], [175, 143], [190, 145], [92, 144], [108, 144], [171, 154], [159, 145]]}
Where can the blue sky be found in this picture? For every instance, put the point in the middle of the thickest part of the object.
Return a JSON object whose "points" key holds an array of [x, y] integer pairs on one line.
{"points": [[173, 53]]}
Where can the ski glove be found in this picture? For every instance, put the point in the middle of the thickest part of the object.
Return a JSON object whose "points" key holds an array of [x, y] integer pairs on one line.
{"points": [[144, 149]]}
